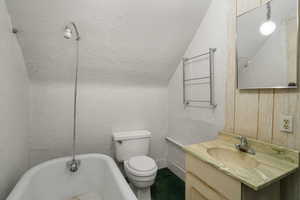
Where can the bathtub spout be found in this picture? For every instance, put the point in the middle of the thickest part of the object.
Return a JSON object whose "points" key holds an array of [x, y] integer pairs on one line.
{"points": [[73, 165]]}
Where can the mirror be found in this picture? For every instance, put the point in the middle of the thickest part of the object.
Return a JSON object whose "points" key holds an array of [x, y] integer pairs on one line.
{"points": [[267, 46]]}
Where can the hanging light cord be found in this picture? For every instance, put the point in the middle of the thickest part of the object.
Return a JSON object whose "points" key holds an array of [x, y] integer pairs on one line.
{"points": [[268, 10]]}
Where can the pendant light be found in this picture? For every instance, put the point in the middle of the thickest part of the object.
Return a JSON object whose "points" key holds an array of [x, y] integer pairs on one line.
{"points": [[268, 27]]}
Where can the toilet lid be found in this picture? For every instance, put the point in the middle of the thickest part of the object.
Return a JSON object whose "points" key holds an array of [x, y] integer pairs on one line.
{"points": [[142, 165]]}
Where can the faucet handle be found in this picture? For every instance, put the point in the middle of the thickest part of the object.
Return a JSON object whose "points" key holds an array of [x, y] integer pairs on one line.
{"points": [[244, 140], [237, 146]]}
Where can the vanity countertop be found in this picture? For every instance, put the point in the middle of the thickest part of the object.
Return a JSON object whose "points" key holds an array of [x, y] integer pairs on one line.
{"points": [[273, 162]]}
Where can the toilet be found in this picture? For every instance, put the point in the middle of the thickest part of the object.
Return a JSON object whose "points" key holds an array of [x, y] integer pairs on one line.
{"points": [[132, 149]]}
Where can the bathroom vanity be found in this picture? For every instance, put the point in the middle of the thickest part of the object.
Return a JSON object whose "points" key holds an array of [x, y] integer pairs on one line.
{"points": [[217, 170]]}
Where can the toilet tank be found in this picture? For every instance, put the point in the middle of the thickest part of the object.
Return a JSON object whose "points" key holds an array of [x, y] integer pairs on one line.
{"points": [[131, 143]]}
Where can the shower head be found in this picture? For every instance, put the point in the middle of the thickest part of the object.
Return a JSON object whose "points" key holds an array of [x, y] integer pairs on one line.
{"points": [[68, 33], [69, 29]]}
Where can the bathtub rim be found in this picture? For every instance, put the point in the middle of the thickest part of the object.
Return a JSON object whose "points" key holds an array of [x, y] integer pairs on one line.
{"points": [[25, 179]]}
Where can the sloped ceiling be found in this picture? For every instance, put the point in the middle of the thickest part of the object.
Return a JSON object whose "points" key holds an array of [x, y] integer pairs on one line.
{"points": [[122, 40]]}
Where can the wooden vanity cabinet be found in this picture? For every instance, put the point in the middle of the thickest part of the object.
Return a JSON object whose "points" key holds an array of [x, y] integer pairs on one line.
{"points": [[198, 190], [204, 182]]}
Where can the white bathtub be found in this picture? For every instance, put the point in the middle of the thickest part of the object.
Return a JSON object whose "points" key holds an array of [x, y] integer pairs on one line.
{"points": [[98, 174]]}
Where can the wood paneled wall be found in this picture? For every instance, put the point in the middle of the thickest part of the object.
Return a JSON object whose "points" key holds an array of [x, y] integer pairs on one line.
{"points": [[257, 113]]}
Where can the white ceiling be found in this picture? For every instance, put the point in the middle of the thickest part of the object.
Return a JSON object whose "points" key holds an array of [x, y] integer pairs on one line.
{"points": [[122, 40]]}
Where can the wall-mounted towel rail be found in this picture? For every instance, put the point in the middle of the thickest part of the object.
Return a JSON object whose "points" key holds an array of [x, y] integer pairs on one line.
{"points": [[189, 81]]}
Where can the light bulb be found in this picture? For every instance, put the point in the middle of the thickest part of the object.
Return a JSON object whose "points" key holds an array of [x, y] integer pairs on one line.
{"points": [[267, 28]]}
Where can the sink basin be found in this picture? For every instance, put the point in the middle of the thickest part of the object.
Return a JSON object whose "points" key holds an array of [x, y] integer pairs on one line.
{"points": [[232, 159]]}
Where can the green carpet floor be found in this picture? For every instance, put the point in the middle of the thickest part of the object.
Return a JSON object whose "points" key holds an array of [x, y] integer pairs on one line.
{"points": [[167, 186]]}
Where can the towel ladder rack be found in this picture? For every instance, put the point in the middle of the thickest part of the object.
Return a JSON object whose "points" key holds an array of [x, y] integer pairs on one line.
{"points": [[211, 100]]}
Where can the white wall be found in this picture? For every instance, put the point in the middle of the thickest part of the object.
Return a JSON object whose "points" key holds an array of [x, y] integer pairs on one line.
{"points": [[192, 125], [102, 109], [13, 107]]}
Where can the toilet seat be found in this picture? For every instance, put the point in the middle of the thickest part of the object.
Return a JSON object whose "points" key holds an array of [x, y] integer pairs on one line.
{"points": [[141, 166]]}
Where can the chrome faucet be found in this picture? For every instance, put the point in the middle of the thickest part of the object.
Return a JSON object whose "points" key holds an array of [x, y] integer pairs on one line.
{"points": [[73, 165], [244, 146]]}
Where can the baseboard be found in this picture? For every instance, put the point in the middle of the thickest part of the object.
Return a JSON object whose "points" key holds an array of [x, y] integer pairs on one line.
{"points": [[177, 170], [162, 163]]}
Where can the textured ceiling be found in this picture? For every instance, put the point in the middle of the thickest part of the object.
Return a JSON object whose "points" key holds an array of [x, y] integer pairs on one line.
{"points": [[122, 40]]}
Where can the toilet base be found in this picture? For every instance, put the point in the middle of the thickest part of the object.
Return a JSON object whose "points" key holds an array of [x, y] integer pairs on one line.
{"points": [[142, 193]]}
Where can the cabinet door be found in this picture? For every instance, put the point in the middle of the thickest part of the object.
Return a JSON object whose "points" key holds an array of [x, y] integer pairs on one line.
{"points": [[270, 192], [218, 182], [244, 6], [196, 189], [195, 195]]}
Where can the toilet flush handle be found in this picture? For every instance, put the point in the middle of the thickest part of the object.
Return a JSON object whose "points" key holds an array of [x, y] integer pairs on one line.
{"points": [[119, 141]]}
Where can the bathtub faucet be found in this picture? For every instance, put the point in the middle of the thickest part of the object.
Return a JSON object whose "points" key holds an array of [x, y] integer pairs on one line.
{"points": [[73, 165]]}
